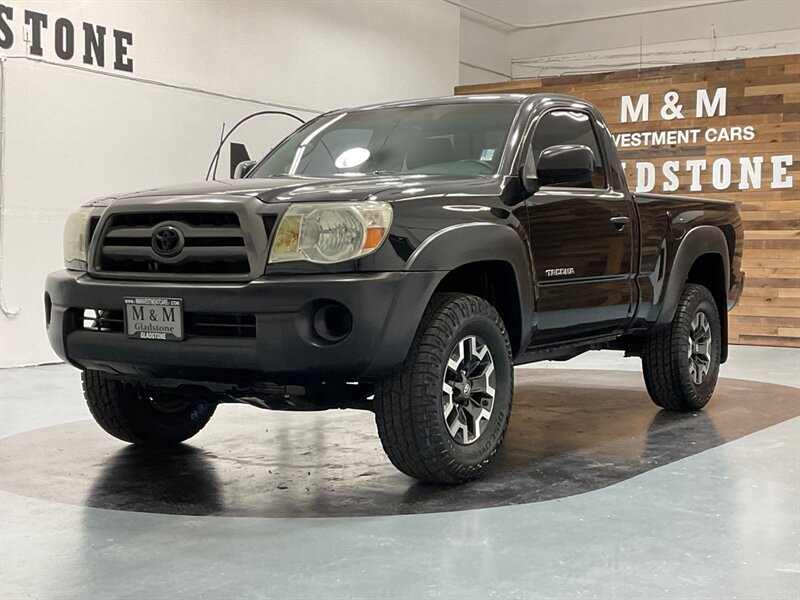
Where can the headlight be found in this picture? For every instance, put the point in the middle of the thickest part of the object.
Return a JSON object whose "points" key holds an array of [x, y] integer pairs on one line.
{"points": [[75, 236], [330, 232]]}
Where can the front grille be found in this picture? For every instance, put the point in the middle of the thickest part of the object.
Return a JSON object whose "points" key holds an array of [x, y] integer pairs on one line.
{"points": [[219, 325], [93, 222], [213, 244], [194, 323], [269, 224], [101, 320]]}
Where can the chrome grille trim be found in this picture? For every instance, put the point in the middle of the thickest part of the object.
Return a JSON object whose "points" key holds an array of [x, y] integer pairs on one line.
{"points": [[224, 239]]}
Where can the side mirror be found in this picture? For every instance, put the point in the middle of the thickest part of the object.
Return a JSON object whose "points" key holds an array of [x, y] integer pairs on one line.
{"points": [[243, 168], [565, 165]]}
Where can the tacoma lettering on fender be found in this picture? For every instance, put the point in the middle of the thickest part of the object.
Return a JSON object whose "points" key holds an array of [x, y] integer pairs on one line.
{"points": [[399, 258]]}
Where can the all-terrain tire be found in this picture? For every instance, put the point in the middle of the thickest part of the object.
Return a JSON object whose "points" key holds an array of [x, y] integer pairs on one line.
{"points": [[410, 403], [128, 413], [667, 354]]}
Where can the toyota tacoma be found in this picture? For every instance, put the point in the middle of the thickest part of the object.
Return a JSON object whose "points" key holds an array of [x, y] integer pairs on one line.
{"points": [[400, 258]]}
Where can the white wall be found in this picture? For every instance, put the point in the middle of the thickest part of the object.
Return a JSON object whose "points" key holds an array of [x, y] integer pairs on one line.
{"points": [[683, 35], [72, 135], [485, 52], [553, 37]]}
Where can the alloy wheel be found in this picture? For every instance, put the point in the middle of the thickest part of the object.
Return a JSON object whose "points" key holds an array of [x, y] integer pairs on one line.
{"points": [[699, 348], [468, 389]]}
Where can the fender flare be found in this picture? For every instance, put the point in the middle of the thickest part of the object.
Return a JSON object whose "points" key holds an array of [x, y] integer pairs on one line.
{"points": [[704, 239], [455, 246]]}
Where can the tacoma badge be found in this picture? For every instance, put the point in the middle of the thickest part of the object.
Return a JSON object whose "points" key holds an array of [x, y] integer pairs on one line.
{"points": [[564, 271]]}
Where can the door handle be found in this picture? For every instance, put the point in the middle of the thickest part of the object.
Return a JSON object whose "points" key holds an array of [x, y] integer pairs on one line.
{"points": [[620, 221]]}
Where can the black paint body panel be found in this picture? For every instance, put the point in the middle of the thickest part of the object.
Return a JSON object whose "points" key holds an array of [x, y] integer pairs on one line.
{"points": [[588, 264]]}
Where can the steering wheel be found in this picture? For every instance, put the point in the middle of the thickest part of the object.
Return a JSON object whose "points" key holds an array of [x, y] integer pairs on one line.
{"points": [[486, 166]]}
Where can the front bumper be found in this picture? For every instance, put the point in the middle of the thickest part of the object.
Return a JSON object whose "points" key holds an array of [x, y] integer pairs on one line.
{"points": [[386, 309]]}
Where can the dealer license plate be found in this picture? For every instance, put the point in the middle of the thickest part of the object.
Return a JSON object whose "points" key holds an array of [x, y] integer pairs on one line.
{"points": [[154, 318]]}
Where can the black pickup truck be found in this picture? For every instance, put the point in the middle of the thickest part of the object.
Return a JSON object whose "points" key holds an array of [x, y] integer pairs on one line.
{"points": [[399, 258]]}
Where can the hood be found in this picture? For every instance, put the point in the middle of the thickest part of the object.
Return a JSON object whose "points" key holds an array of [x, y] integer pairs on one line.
{"points": [[305, 189]]}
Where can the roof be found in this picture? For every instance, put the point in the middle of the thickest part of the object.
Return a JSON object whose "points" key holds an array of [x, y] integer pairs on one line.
{"points": [[466, 99], [469, 99]]}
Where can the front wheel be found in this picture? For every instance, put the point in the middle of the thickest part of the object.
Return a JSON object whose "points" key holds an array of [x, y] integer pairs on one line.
{"points": [[444, 412], [681, 360], [134, 415]]}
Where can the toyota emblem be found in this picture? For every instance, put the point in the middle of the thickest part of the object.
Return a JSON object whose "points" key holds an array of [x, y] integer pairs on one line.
{"points": [[167, 241]]}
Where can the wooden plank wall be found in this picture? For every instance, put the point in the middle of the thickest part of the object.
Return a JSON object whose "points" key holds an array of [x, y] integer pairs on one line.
{"points": [[761, 93]]}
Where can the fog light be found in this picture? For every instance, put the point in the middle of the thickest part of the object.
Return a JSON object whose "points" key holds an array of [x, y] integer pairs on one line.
{"points": [[332, 322]]}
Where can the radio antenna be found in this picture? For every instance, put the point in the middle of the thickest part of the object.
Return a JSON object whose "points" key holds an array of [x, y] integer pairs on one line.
{"points": [[212, 167]]}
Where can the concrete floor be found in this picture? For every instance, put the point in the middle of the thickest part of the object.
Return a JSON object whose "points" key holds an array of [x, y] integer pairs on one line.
{"points": [[710, 511]]}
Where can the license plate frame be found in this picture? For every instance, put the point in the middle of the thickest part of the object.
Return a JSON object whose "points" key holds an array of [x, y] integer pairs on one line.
{"points": [[154, 318]]}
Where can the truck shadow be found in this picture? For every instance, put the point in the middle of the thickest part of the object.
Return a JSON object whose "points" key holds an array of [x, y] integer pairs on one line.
{"points": [[571, 432]]}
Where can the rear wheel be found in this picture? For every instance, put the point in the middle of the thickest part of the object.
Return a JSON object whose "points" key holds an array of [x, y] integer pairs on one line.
{"points": [[681, 360], [135, 415], [443, 414]]}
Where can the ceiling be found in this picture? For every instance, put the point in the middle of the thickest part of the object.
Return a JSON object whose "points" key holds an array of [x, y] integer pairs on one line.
{"points": [[521, 13]]}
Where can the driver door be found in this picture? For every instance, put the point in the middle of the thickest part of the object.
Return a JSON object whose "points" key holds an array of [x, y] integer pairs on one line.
{"points": [[581, 237]]}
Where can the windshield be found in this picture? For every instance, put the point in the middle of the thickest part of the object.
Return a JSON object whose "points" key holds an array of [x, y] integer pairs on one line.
{"points": [[443, 139]]}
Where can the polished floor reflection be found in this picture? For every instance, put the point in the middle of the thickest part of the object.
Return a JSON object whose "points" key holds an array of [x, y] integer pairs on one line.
{"points": [[571, 432], [721, 522]]}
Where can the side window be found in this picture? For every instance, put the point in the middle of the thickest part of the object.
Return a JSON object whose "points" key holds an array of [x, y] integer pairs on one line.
{"points": [[561, 127]]}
